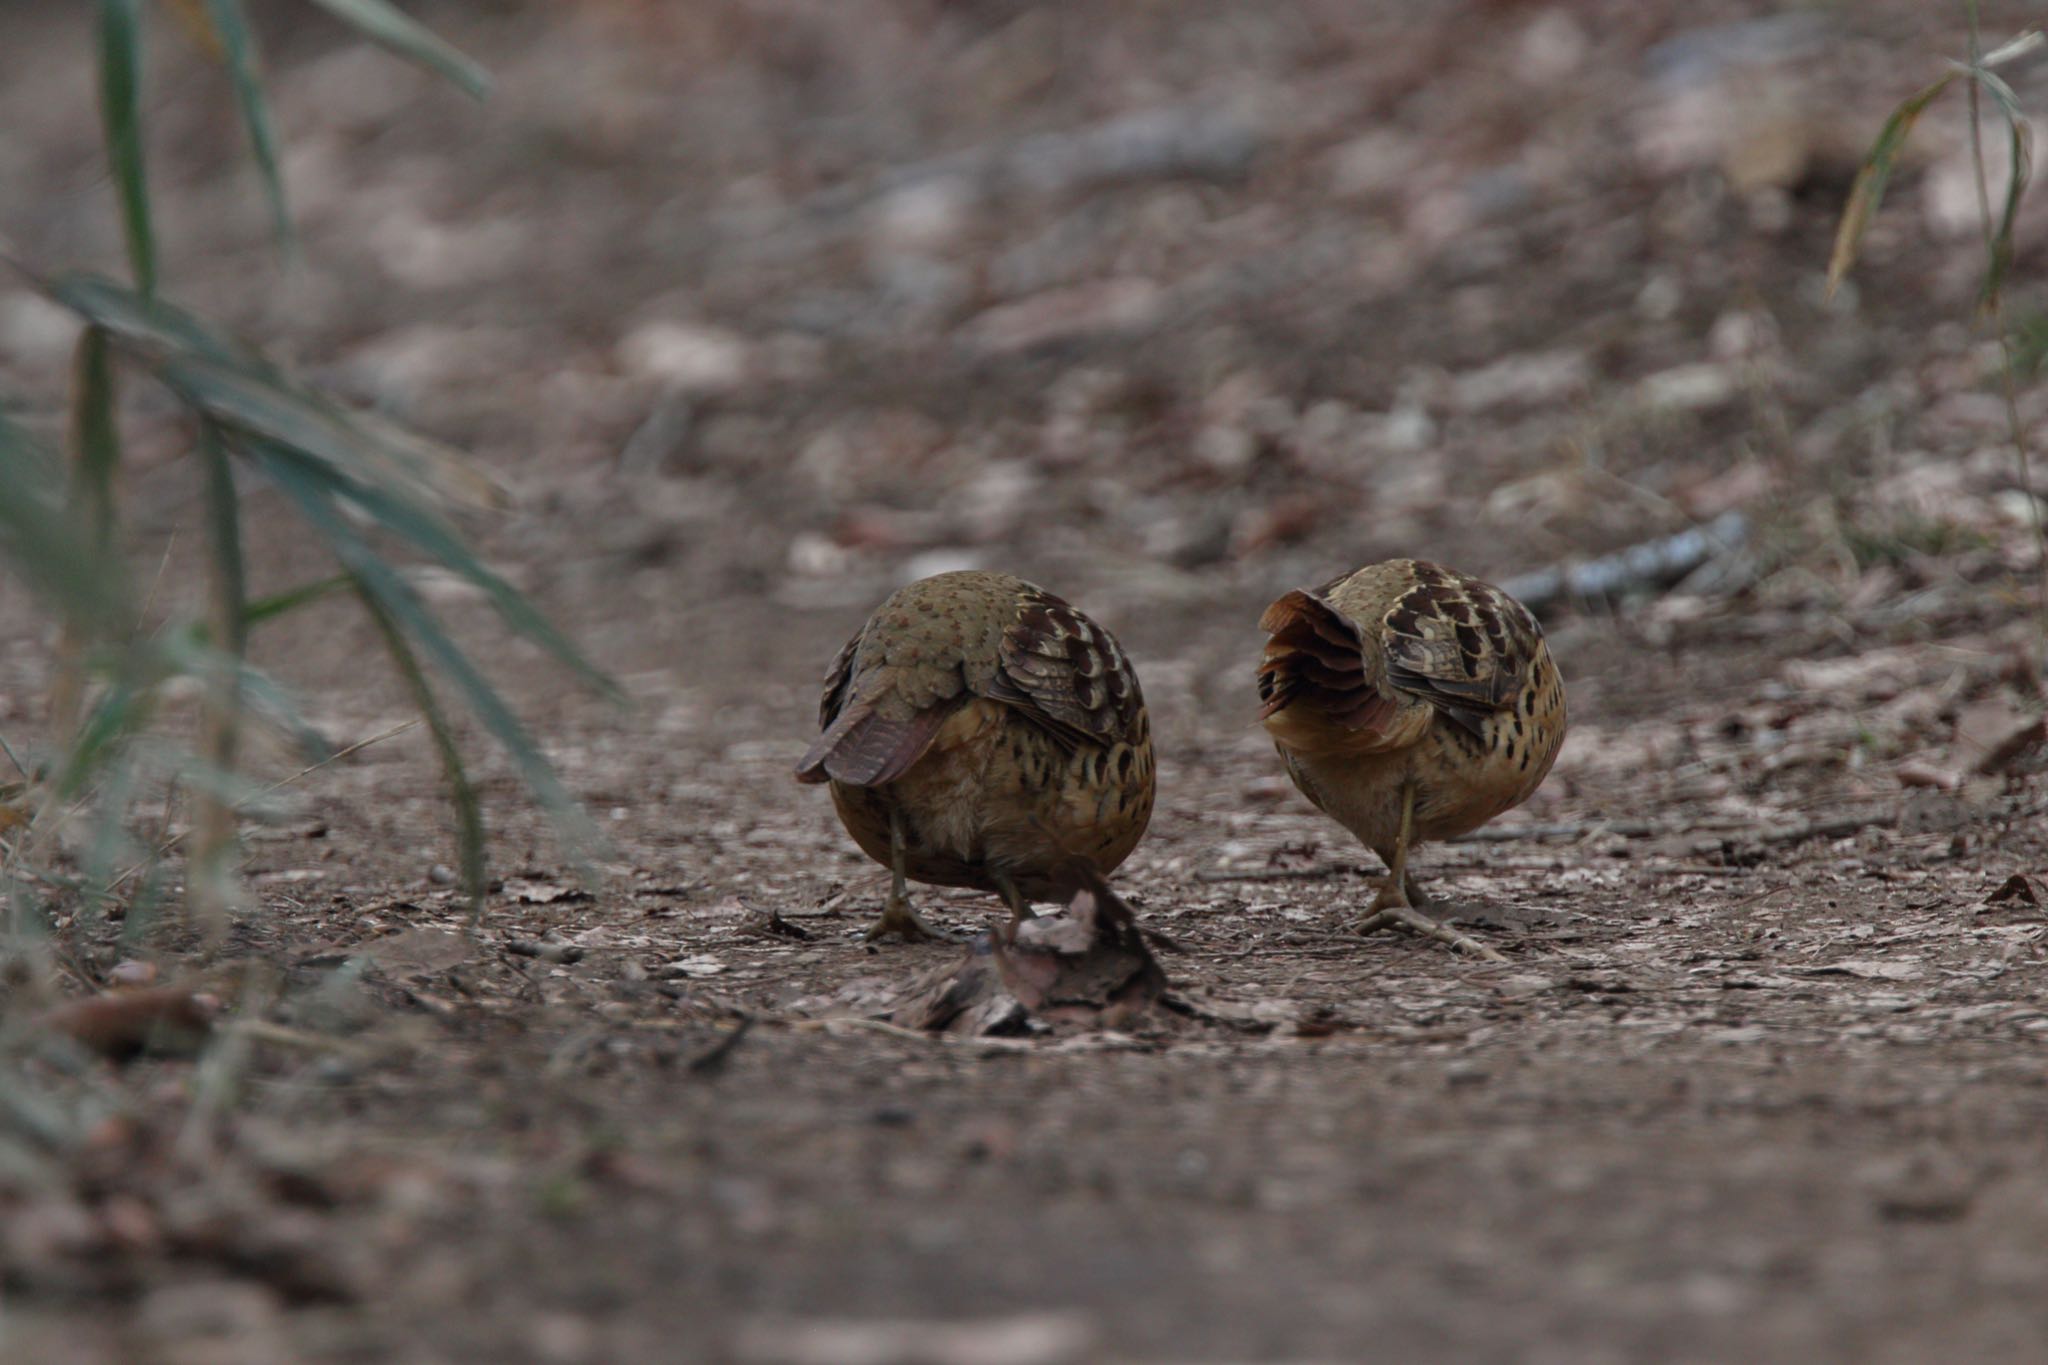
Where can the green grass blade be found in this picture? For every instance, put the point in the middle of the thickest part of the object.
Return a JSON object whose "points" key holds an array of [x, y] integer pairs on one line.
{"points": [[239, 47], [1868, 191], [50, 550], [94, 444], [2012, 49], [151, 328], [390, 27], [469, 819], [315, 500], [291, 599], [191, 652], [120, 112], [95, 436], [430, 534], [2020, 166], [2029, 340], [284, 412], [235, 385], [120, 712], [224, 537]]}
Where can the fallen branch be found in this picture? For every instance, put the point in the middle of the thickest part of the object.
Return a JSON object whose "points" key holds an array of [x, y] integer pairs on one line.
{"points": [[1653, 564], [1835, 827], [712, 1059], [1569, 831], [1287, 874]]}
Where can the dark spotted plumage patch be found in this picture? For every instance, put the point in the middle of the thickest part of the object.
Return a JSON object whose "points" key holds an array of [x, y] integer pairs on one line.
{"points": [[1068, 673], [1461, 644]]}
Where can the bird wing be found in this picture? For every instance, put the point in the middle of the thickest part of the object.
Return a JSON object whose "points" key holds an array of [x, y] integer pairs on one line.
{"points": [[867, 741], [887, 698], [1067, 674], [1462, 645]]}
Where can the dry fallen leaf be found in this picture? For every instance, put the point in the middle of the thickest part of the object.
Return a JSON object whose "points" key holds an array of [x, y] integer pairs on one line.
{"points": [[124, 1024], [2014, 888], [1088, 965]]}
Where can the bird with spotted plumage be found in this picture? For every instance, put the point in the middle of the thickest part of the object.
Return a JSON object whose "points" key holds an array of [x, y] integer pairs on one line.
{"points": [[1410, 702], [980, 732]]}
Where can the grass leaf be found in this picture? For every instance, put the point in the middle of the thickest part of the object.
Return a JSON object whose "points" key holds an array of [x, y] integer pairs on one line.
{"points": [[95, 437], [2029, 343], [95, 442], [2012, 49], [50, 550], [291, 599], [120, 113], [1875, 174], [390, 27], [190, 652], [315, 499], [2021, 171], [238, 45], [430, 534], [235, 385], [469, 819]]}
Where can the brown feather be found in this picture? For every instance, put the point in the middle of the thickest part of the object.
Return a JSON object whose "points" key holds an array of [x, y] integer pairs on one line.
{"points": [[866, 748], [1317, 658]]}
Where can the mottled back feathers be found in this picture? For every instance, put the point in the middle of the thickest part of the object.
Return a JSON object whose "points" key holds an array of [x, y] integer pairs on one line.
{"points": [[943, 640], [1364, 646]]}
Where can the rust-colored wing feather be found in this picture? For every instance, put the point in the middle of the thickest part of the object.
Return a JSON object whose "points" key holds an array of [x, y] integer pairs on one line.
{"points": [[1318, 657]]}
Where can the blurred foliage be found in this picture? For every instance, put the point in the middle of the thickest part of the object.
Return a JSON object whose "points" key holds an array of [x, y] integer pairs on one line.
{"points": [[360, 486], [2020, 347]]}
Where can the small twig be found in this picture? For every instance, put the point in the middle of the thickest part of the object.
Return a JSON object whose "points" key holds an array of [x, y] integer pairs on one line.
{"points": [[263, 1031], [1571, 830], [250, 800], [1285, 874], [149, 598], [1839, 827], [844, 1022], [712, 1059]]}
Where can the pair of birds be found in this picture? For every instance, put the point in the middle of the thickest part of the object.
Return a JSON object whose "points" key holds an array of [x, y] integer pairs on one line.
{"points": [[979, 731]]}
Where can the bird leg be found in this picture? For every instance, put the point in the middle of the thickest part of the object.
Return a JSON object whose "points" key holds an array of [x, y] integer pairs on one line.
{"points": [[1020, 909], [898, 917], [1392, 907]]}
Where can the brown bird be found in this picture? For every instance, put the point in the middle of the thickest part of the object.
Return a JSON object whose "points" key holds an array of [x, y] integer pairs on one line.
{"points": [[1410, 702], [979, 731]]}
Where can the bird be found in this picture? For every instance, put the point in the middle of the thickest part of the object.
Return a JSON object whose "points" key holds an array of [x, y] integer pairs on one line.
{"points": [[1410, 702], [979, 731]]}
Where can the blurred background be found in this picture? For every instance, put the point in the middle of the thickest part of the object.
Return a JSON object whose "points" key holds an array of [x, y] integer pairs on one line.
{"points": [[764, 307]]}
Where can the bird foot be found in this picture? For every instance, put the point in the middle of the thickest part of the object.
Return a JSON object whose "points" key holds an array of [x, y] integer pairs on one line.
{"points": [[899, 919], [1385, 915]]}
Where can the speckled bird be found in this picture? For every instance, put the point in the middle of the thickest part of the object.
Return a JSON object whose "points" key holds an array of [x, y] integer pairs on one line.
{"points": [[981, 732], [1410, 702]]}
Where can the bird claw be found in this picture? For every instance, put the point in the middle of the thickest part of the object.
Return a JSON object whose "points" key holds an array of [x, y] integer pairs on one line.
{"points": [[1387, 913], [905, 923]]}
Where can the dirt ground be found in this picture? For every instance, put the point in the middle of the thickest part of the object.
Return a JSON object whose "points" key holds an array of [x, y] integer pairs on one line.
{"points": [[764, 307]]}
